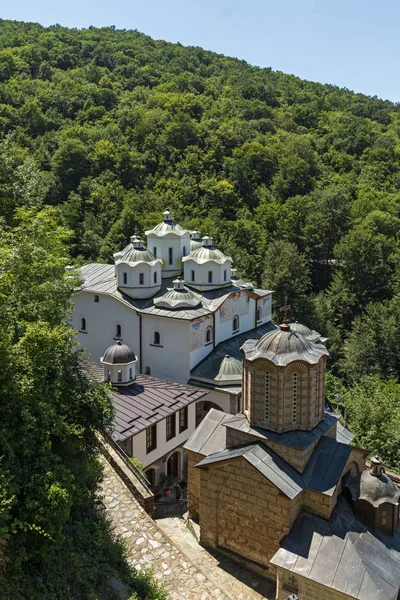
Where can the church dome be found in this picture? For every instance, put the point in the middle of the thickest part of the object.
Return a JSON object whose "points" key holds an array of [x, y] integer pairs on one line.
{"points": [[195, 240], [207, 252], [230, 369], [309, 334], [177, 297], [378, 489], [168, 226], [282, 346], [135, 252], [118, 354]]}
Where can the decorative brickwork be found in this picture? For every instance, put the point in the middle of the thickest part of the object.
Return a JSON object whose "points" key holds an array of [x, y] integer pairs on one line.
{"points": [[284, 398]]}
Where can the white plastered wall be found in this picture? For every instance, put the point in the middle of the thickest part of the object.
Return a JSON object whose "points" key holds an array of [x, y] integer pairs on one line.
{"points": [[171, 359], [163, 447], [101, 320], [162, 245], [240, 304]]}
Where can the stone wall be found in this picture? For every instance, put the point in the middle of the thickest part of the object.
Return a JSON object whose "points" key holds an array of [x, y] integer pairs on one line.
{"points": [[235, 501], [193, 488], [290, 583]]}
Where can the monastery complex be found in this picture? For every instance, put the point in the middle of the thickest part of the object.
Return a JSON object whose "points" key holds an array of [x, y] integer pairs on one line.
{"points": [[207, 389]]}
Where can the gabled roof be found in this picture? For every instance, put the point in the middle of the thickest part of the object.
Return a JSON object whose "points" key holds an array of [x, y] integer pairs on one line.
{"points": [[322, 473], [269, 464], [209, 437], [342, 554], [296, 439], [147, 401]]}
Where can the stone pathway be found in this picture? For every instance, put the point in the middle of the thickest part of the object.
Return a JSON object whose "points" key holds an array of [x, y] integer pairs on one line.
{"points": [[148, 546], [237, 582]]}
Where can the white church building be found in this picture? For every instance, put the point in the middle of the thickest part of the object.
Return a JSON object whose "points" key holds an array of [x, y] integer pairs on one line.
{"points": [[179, 304]]}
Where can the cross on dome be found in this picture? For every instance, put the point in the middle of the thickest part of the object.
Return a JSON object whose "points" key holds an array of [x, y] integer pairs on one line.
{"points": [[285, 309]]}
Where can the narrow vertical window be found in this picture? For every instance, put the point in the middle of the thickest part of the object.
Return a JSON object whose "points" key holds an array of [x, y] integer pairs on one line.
{"points": [[225, 275], [130, 373], [193, 275], [209, 276], [155, 276], [119, 377], [141, 278], [184, 251], [183, 419], [125, 278], [170, 426], [156, 338], [258, 314], [267, 382], [295, 382], [235, 323], [155, 251], [170, 256], [118, 330], [151, 438], [96, 298], [83, 324]]}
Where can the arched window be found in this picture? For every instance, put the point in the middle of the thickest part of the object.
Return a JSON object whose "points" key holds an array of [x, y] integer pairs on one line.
{"points": [[125, 277], [267, 384], [258, 314], [118, 330], [295, 382], [156, 338], [208, 335], [235, 323], [83, 324], [147, 371]]}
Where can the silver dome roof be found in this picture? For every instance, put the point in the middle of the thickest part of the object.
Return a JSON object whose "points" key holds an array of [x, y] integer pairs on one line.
{"points": [[118, 354], [135, 252], [230, 369], [283, 346], [309, 334]]}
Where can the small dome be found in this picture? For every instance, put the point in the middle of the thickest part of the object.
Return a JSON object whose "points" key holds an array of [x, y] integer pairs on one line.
{"points": [[135, 252], [177, 297], [195, 240], [309, 334], [167, 226], [378, 489], [230, 369], [283, 346], [207, 252], [118, 354]]}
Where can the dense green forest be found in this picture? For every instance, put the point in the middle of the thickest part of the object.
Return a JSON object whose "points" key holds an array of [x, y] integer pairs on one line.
{"points": [[299, 181]]}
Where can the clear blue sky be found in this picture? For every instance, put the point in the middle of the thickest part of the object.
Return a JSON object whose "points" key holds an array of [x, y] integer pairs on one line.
{"points": [[350, 43]]}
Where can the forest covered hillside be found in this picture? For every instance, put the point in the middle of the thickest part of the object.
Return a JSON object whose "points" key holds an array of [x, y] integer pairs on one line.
{"points": [[299, 181]]}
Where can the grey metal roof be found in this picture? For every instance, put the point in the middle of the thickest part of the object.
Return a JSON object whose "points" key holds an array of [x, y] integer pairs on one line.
{"points": [[209, 437], [310, 334], [148, 401], [374, 489], [283, 346], [118, 354], [211, 365], [296, 439], [322, 473], [269, 464], [230, 370], [167, 227], [136, 252], [343, 435], [342, 554], [207, 253], [100, 279]]}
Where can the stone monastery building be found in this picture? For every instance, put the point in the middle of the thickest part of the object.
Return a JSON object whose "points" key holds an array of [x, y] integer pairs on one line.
{"points": [[278, 487]]}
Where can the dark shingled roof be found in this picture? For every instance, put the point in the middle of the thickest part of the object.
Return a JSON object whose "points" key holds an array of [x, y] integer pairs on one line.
{"points": [[322, 473], [148, 401], [118, 354], [209, 437], [296, 439], [342, 554]]}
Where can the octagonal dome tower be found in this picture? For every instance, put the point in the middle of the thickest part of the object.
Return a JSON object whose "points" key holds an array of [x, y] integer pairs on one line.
{"points": [[138, 271], [284, 381], [170, 242], [207, 268]]}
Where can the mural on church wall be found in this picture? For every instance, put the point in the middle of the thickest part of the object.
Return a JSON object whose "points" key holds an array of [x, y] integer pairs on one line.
{"points": [[236, 304], [265, 306], [198, 332]]}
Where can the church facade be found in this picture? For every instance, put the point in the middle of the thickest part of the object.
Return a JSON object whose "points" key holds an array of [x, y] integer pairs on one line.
{"points": [[278, 488]]}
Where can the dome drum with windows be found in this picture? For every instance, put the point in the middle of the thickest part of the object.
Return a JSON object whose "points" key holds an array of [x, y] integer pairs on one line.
{"points": [[206, 267], [119, 364], [284, 381], [170, 242], [138, 271]]}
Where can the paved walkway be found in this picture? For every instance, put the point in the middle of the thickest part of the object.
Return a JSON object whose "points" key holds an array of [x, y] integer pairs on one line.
{"points": [[237, 582], [148, 546]]}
